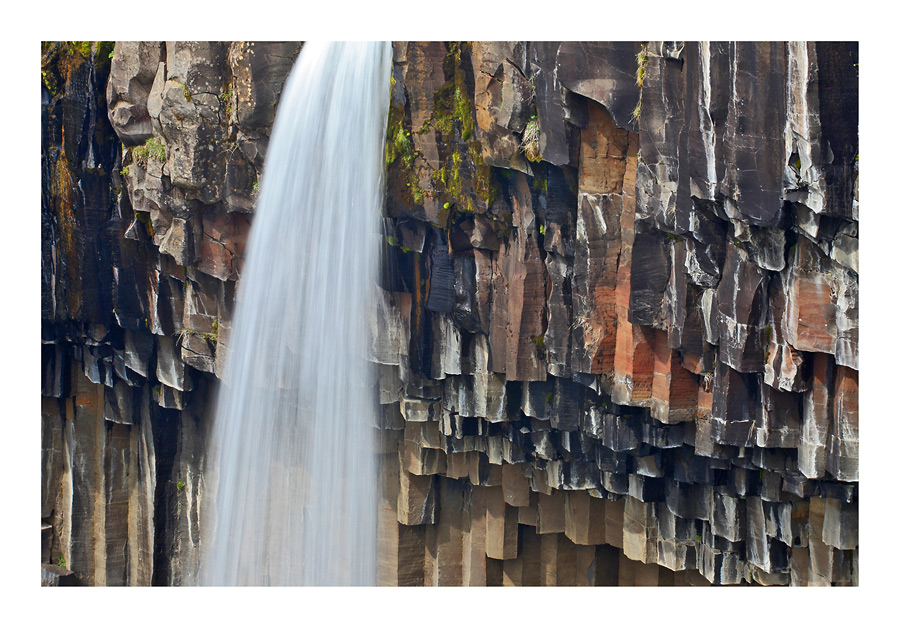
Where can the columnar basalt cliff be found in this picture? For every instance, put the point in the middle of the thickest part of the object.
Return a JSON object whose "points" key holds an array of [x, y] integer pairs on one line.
{"points": [[617, 329]]}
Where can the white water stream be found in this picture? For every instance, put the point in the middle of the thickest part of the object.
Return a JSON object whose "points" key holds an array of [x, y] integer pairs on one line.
{"points": [[291, 466]]}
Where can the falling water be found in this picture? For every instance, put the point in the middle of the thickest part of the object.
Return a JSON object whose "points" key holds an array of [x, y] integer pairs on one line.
{"points": [[292, 458]]}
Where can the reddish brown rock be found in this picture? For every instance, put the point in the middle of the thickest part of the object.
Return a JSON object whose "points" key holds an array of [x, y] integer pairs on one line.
{"points": [[594, 289], [674, 392], [604, 147], [811, 300], [842, 458], [222, 244]]}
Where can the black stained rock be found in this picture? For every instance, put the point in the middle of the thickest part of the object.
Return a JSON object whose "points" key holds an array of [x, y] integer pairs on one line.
{"points": [[554, 143], [441, 276], [464, 309], [838, 96], [743, 304], [649, 278], [604, 72], [664, 147], [735, 408], [754, 137]]}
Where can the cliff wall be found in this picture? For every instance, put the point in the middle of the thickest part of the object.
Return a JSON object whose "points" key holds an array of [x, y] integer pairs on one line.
{"points": [[617, 339]]}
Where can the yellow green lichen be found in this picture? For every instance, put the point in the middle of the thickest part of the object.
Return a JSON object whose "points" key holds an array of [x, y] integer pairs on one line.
{"points": [[58, 58], [225, 98], [463, 180], [636, 112], [144, 218], [452, 107], [399, 152]]}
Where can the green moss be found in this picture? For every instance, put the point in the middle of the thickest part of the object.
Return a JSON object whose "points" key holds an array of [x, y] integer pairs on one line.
{"points": [[399, 152], [48, 81], [152, 150], [538, 341], [81, 47], [213, 336], [463, 182], [453, 110], [210, 337], [59, 58]]}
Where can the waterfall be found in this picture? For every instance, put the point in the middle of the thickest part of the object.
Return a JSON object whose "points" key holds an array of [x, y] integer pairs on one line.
{"points": [[292, 454]]}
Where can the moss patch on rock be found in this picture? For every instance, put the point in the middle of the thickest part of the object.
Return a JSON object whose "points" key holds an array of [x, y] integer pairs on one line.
{"points": [[463, 181], [151, 150], [400, 154]]}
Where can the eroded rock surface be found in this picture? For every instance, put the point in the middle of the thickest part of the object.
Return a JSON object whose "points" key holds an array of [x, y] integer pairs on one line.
{"points": [[617, 333]]}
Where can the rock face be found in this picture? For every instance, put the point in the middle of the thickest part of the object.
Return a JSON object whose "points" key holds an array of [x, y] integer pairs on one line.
{"points": [[617, 340], [151, 153], [664, 317]]}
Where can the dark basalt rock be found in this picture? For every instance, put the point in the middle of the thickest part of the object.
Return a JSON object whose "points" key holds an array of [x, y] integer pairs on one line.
{"points": [[742, 302], [441, 276], [754, 141], [699, 268], [604, 72], [259, 70], [664, 147], [838, 97], [649, 278], [554, 142]]}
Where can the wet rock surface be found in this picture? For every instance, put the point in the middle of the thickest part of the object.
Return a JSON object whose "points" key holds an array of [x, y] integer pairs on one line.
{"points": [[617, 334]]}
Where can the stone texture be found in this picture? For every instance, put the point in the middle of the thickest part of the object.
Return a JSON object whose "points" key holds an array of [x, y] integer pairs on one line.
{"points": [[629, 357]]}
